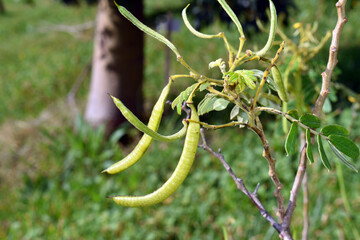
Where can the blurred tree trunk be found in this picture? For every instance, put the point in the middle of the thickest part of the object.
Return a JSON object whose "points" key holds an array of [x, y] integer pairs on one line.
{"points": [[117, 65], [2, 7]]}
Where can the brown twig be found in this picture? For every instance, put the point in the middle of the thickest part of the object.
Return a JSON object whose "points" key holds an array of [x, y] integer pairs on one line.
{"points": [[240, 183], [272, 171], [326, 79], [334, 47]]}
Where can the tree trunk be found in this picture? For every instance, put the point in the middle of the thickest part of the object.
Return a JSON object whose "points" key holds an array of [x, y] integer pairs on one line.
{"points": [[2, 7], [117, 65]]}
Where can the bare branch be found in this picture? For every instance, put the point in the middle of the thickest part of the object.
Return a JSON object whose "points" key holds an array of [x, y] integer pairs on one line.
{"points": [[334, 47], [272, 172], [326, 79], [240, 184]]}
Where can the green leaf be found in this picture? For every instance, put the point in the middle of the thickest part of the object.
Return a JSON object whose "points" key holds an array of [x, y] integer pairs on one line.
{"points": [[234, 112], [220, 104], [203, 86], [269, 81], [293, 113], [344, 145], [207, 104], [183, 96], [342, 157], [309, 153], [323, 156], [248, 81], [290, 142], [233, 77], [334, 130], [310, 120]]}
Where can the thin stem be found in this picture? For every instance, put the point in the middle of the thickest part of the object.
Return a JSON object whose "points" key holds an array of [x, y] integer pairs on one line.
{"points": [[267, 72], [182, 61], [287, 116], [240, 183], [306, 220], [326, 79], [272, 172], [305, 231], [334, 47], [215, 127], [222, 35]]}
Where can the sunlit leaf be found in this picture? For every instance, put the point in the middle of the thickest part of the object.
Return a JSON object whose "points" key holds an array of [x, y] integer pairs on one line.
{"points": [[290, 143], [233, 77], [220, 104], [310, 120], [183, 96], [207, 104], [344, 145], [342, 157], [234, 112], [323, 156], [334, 130], [309, 153], [248, 81], [203, 86]]}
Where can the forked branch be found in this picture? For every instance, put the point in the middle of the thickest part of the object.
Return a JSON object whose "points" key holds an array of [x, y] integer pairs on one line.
{"points": [[326, 79]]}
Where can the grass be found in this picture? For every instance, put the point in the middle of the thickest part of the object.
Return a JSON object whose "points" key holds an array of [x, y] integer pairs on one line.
{"points": [[51, 161]]}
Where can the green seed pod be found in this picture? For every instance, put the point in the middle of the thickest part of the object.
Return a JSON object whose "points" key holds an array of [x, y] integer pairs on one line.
{"points": [[279, 81], [146, 140], [178, 176]]}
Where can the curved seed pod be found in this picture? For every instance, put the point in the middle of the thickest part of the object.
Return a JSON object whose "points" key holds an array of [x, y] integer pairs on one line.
{"points": [[232, 15], [279, 81], [273, 23], [193, 30], [178, 176], [146, 140], [145, 129], [146, 29]]}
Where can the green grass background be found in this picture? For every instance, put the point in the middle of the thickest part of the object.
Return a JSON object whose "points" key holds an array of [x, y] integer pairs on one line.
{"points": [[50, 160]]}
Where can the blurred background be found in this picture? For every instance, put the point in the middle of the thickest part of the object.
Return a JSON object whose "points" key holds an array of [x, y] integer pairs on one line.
{"points": [[59, 129]]}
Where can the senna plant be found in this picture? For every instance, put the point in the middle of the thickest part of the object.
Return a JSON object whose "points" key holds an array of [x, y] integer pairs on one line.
{"points": [[249, 92]]}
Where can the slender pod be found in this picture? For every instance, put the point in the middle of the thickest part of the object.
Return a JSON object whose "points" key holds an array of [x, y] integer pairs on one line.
{"points": [[193, 30], [146, 29], [145, 129], [273, 23], [178, 176], [279, 81], [146, 140]]}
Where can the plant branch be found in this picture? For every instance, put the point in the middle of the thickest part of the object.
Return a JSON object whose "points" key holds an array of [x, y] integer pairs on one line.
{"points": [[267, 72], [272, 172], [334, 47], [240, 183], [326, 79]]}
